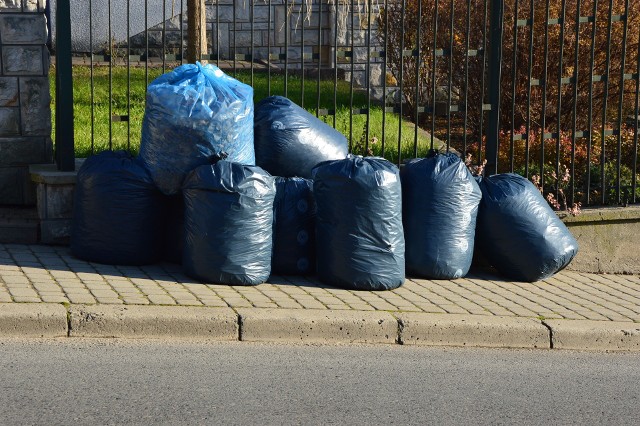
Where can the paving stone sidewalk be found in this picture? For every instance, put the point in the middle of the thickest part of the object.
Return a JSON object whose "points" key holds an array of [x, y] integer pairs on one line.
{"points": [[30, 273]]}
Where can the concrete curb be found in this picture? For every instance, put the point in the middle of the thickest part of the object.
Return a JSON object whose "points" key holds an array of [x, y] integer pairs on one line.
{"points": [[472, 330], [33, 320], [296, 325], [153, 322], [594, 335], [312, 326]]}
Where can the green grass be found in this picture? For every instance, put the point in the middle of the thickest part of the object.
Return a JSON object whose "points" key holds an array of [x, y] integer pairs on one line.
{"points": [[126, 135]]}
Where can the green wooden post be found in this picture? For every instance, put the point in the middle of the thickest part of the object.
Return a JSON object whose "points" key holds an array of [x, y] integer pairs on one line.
{"points": [[495, 73], [65, 155]]}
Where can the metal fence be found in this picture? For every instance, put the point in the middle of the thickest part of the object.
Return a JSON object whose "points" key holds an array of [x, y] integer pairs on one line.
{"points": [[548, 89]]}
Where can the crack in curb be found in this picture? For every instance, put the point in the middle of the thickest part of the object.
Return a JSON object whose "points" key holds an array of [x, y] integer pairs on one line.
{"points": [[550, 333], [400, 330], [67, 307]]}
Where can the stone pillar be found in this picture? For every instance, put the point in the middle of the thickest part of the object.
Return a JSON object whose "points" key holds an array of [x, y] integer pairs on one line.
{"points": [[25, 112]]}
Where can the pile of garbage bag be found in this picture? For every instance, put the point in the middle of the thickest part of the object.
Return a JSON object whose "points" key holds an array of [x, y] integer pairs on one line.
{"points": [[235, 198]]}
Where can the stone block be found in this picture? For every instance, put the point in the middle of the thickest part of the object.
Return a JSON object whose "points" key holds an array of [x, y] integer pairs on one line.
{"points": [[314, 326], [34, 5], [8, 91], [36, 106], [607, 238], [153, 322], [18, 232], [57, 231], [10, 5], [33, 320], [23, 60], [594, 335], [9, 122], [55, 201], [23, 29], [243, 38], [472, 330], [15, 188], [23, 151], [225, 14], [310, 37], [261, 13]]}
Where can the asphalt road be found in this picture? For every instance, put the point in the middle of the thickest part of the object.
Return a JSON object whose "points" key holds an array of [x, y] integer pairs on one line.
{"points": [[132, 382]]}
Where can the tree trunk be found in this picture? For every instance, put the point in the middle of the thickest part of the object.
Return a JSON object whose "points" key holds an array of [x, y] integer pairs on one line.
{"points": [[197, 31]]}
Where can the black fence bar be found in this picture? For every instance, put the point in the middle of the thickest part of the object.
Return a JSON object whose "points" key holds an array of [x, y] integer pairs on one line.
{"points": [[367, 127], [352, 64], [590, 118], [65, 156], [452, 26], [467, 45], [434, 66], [91, 80], [514, 76], [385, 48], [574, 124], [636, 123], [402, 46], [483, 79], [319, 53], [620, 103], [303, 11], [527, 155], [558, 179], [603, 145], [110, 50], [129, 76]]}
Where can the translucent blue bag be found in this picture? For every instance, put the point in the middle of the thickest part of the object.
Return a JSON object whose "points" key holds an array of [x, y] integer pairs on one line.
{"points": [[192, 114]]}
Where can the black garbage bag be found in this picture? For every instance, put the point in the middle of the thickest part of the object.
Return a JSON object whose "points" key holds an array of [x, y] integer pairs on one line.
{"points": [[294, 233], [359, 234], [174, 227], [228, 223], [289, 141], [440, 201], [518, 232], [117, 212], [192, 114]]}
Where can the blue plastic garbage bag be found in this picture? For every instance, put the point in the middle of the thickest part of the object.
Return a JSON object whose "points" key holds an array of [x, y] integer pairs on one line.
{"points": [[440, 201], [228, 223], [192, 114], [289, 141], [359, 233], [518, 232], [117, 212], [294, 221]]}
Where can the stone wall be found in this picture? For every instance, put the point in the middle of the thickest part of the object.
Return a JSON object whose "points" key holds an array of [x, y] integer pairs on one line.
{"points": [[277, 30], [25, 114]]}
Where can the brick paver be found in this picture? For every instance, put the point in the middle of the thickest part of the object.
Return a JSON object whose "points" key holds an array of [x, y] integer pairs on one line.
{"points": [[50, 274]]}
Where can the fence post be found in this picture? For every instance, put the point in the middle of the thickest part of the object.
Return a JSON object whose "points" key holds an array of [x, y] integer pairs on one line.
{"points": [[495, 72], [196, 31], [65, 155]]}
